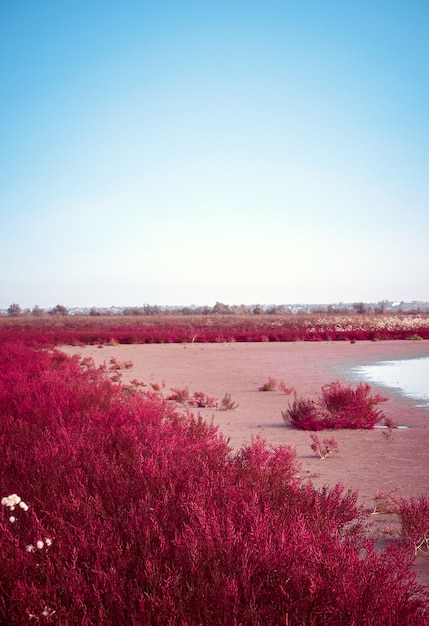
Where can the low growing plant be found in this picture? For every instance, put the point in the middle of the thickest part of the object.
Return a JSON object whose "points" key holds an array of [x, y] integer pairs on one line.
{"points": [[181, 396], [390, 425], [303, 414], [284, 388], [227, 403], [323, 447], [338, 406], [414, 516], [385, 502], [270, 385], [202, 400]]}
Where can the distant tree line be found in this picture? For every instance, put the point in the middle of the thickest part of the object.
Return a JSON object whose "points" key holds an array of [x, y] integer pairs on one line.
{"points": [[357, 308], [14, 310]]}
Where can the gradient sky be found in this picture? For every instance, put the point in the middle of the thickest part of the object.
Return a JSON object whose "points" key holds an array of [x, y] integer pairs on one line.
{"points": [[178, 153]]}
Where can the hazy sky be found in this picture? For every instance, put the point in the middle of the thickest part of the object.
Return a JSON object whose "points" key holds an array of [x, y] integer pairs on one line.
{"points": [[240, 151]]}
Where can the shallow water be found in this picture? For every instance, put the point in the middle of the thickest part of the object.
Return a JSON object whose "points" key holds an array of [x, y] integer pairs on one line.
{"points": [[410, 376]]}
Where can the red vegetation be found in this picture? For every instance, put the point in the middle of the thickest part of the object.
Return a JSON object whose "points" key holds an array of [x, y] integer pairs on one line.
{"points": [[323, 447], [338, 407], [414, 516], [76, 330], [135, 513]]}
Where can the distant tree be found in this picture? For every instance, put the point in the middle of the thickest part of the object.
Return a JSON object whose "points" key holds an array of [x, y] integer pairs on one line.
{"points": [[37, 311], [381, 307], [132, 310], [360, 308], [94, 312], [277, 309], [59, 310], [151, 309], [187, 310], [14, 310], [221, 309]]}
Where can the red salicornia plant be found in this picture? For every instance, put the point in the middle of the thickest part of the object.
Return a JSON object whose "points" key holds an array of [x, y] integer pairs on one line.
{"points": [[118, 509], [269, 385], [414, 516], [202, 400], [323, 447], [338, 406]]}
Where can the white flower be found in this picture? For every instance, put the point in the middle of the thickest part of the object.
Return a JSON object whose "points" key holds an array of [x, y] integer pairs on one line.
{"points": [[48, 541], [23, 506], [12, 519], [30, 548], [40, 544], [11, 500]]}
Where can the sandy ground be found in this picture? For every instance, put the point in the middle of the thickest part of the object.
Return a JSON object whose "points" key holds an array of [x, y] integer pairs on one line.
{"points": [[367, 460]]}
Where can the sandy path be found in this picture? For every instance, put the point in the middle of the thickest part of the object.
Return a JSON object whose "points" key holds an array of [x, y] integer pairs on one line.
{"points": [[367, 461]]}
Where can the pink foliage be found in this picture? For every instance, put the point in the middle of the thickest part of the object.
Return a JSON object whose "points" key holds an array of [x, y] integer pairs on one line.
{"points": [[81, 330], [139, 514], [338, 406], [414, 516], [323, 447]]}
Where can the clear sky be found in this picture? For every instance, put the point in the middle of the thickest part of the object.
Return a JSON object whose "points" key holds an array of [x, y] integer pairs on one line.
{"points": [[188, 152]]}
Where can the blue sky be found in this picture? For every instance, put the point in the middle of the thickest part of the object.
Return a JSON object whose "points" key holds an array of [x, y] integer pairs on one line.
{"points": [[194, 152]]}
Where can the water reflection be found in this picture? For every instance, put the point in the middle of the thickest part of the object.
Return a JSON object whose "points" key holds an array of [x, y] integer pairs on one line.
{"points": [[409, 376]]}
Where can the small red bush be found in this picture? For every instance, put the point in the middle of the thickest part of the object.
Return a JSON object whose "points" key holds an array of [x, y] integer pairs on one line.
{"points": [[323, 447], [414, 516], [202, 400], [337, 407]]}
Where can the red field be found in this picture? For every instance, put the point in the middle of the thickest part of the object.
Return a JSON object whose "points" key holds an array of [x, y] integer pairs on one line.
{"points": [[120, 507], [60, 330]]}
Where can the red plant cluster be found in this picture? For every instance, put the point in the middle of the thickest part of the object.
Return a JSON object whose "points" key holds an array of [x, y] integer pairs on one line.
{"points": [[414, 516], [61, 330], [323, 447], [338, 406], [136, 513]]}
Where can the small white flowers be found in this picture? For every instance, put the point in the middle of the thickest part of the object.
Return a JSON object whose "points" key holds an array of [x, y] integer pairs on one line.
{"points": [[47, 612], [40, 544], [14, 500]]}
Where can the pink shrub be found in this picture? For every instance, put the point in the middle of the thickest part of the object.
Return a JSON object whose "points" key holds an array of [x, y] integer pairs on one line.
{"points": [[202, 400], [284, 388], [323, 447], [181, 396], [139, 514], [303, 414], [338, 407], [269, 385], [414, 516]]}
